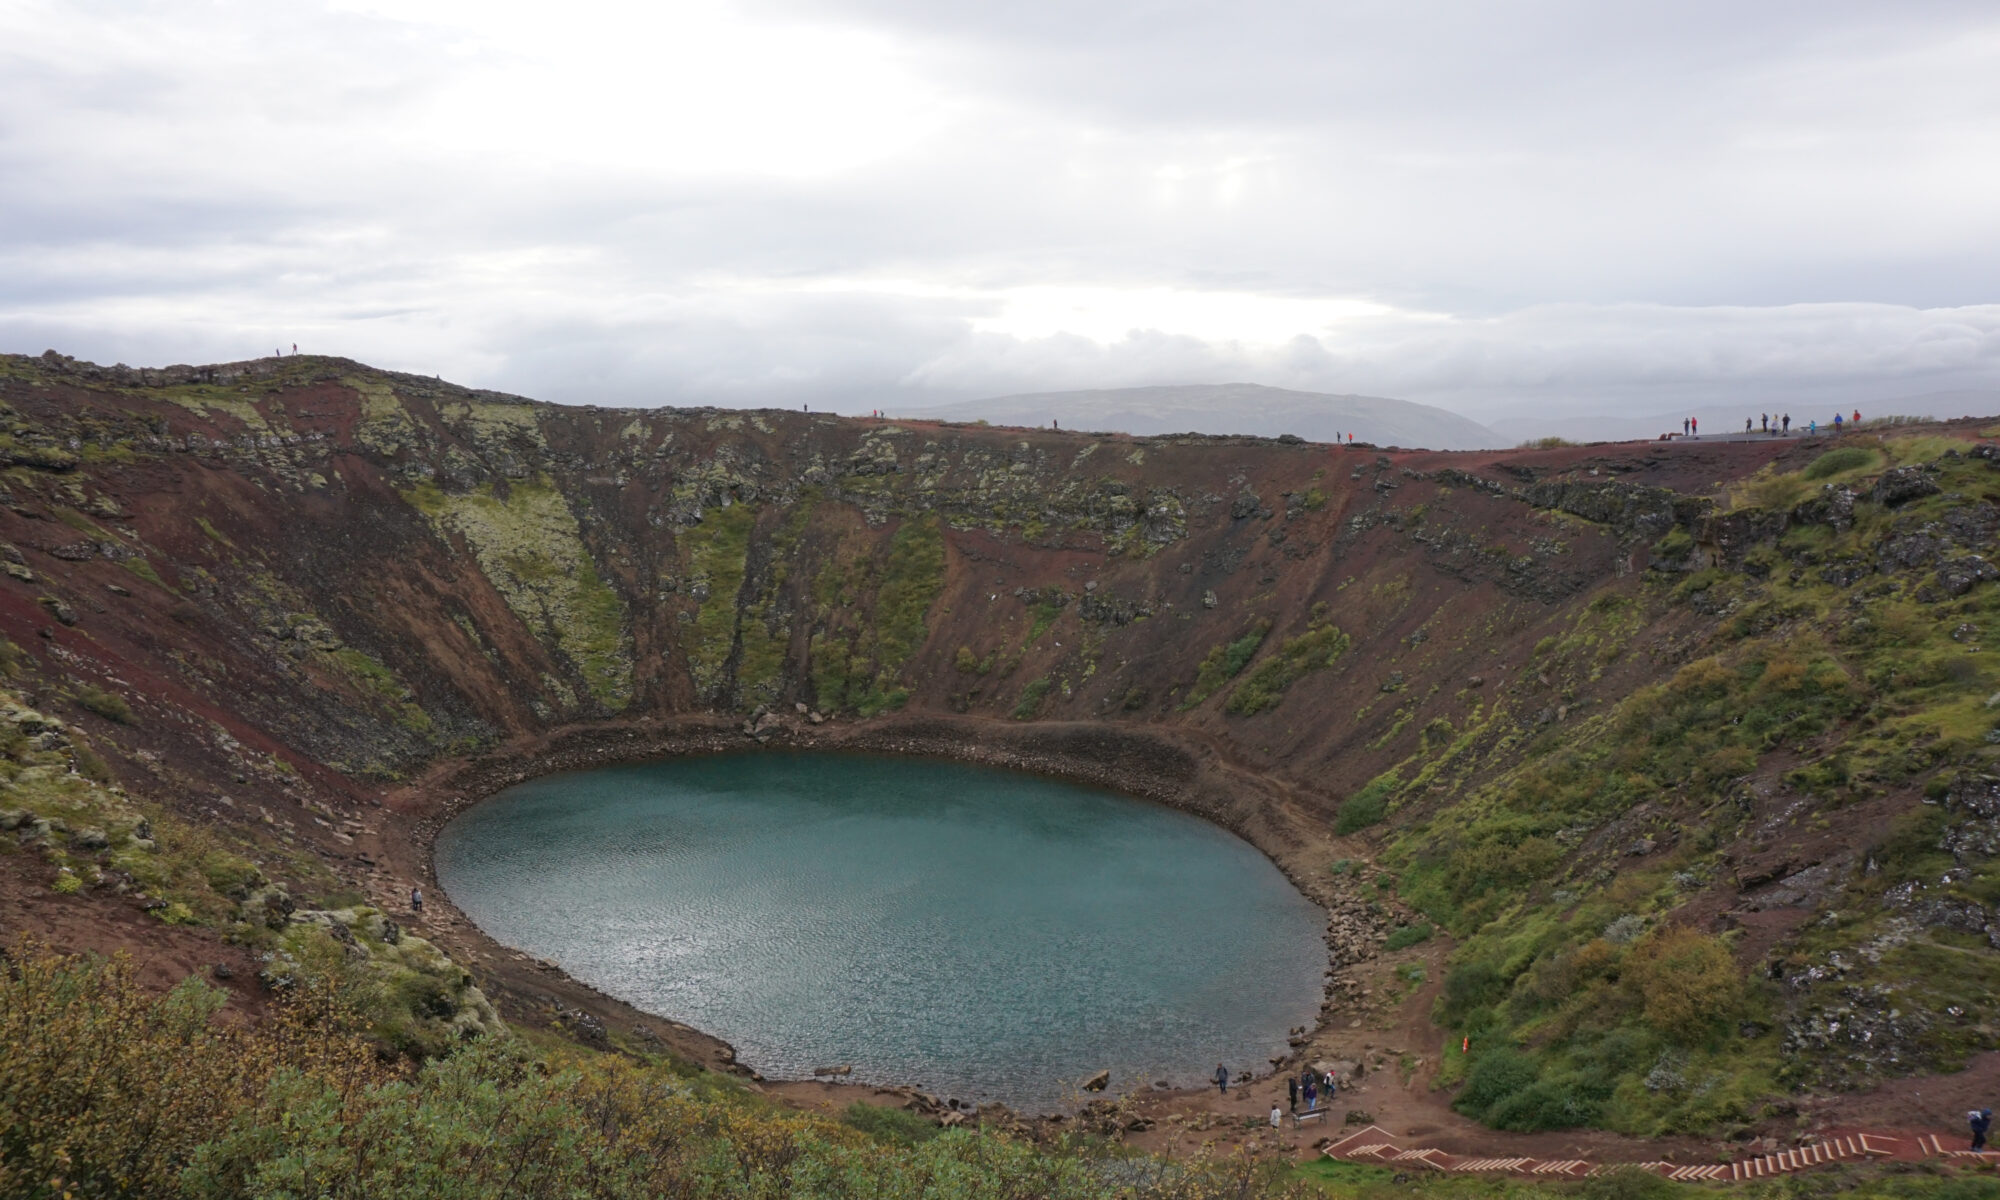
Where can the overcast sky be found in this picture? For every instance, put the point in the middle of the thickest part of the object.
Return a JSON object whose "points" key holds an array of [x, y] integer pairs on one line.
{"points": [[1500, 207]]}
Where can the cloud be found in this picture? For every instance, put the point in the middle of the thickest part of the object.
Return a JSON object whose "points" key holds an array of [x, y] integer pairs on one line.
{"points": [[871, 203]]}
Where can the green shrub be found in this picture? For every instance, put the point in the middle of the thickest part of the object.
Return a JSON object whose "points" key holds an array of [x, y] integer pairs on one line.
{"points": [[1315, 649], [1368, 806], [1469, 986], [1687, 980], [1674, 547], [897, 1126], [1840, 461], [1564, 1102], [1031, 699], [1360, 812], [107, 704], [1224, 661], [1405, 936], [1497, 1076]]}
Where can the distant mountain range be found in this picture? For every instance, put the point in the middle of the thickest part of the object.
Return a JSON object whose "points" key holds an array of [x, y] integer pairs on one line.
{"points": [[1233, 408]]}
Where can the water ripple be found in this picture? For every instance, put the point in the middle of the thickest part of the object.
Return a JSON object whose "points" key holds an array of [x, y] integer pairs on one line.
{"points": [[985, 934]]}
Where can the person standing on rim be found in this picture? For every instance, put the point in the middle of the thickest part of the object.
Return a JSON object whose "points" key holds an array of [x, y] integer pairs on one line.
{"points": [[1222, 1078]]}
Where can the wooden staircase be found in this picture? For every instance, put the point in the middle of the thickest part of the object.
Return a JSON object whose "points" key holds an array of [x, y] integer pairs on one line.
{"points": [[1373, 1144]]}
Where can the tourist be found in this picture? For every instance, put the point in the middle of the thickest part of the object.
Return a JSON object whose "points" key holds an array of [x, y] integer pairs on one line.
{"points": [[1836, 424], [1222, 1078], [1981, 1120], [1788, 422], [1331, 1088], [1312, 1094], [1764, 422], [416, 900], [1684, 426], [1277, 1117], [1857, 416], [1292, 1092], [1746, 426], [1812, 427], [1695, 424]]}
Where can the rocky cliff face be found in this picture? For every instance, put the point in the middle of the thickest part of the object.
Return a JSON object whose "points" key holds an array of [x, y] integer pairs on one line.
{"points": [[303, 581], [381, 569]]}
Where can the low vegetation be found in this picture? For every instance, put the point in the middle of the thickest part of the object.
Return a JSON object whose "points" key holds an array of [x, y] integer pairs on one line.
{"points": [[1838, 676], [1225, 662], [1318, 648], [108, 1091]]}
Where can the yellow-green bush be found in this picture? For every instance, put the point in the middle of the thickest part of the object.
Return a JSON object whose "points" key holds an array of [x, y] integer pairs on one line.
{"points": [[108, 1091]]}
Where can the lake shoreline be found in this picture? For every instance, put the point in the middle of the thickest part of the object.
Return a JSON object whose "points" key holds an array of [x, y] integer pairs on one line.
{"points": [[1146, 764]]}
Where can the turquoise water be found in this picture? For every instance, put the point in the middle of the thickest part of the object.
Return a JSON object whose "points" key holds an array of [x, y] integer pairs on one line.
{"points": [[984, 934]]}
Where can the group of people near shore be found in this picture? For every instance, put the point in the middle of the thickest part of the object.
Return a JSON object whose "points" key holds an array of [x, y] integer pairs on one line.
{"points": [[1309, 1085]]}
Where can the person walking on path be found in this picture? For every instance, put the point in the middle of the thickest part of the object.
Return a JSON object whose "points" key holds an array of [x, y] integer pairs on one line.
{"points": [[417, 900], [1981, 1120], [1312, 1095], [1746, 426], [1222, 1078], [1292, 1092]]}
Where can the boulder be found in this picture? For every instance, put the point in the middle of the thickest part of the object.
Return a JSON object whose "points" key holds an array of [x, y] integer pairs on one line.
{"points": [[1958, 576], [1902, 485], [1098, 1082], [843, 1069]]}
